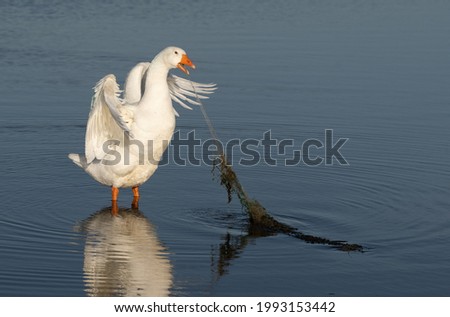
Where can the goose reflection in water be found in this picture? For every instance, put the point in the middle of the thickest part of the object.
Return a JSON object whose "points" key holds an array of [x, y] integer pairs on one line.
{"points": [[123, 256]]}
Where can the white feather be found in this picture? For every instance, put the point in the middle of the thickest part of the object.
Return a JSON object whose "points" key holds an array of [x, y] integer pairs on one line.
{"points": [[179, 88], [135, 83], [108, 118]]}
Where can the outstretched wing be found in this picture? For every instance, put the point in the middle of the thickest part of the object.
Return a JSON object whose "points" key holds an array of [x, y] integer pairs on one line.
{"points": [[108, 119], [183, 90], [135, 83]]}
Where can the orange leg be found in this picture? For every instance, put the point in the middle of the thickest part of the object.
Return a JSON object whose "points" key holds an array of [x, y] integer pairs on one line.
{"points": [[135, 203], [114, 208], [115, 193]]}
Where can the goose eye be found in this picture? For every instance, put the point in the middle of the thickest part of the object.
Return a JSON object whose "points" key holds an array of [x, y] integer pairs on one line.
{"points": [[176, 52]]}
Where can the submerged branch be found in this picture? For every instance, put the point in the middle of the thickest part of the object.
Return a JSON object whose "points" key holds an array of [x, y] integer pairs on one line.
{"points": [[258, 215], [260, 218]]}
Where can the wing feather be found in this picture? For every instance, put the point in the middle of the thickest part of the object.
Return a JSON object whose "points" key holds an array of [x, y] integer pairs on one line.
{"points": [[181, 89], [135, 83], [108, 118]]}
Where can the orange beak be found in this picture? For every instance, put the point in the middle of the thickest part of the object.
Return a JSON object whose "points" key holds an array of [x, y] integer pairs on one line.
{"points": [[185, 61]]}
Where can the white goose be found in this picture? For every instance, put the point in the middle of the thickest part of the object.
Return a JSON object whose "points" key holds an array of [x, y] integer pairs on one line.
{"points": [[126, 138]]}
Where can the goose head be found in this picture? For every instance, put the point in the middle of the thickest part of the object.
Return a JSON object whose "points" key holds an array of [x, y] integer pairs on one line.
{"points": [[175, 57]]}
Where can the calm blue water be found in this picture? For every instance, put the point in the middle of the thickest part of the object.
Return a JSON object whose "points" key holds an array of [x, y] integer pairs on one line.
{"points": [[376, 72]]}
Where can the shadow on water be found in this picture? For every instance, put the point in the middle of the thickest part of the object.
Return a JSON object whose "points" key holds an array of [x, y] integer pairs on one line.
{"points": [[231, 248], [123, 256], [233, 245]]}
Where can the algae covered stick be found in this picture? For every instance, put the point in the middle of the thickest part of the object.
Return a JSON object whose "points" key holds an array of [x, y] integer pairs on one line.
{"points": [[259, 217]]}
